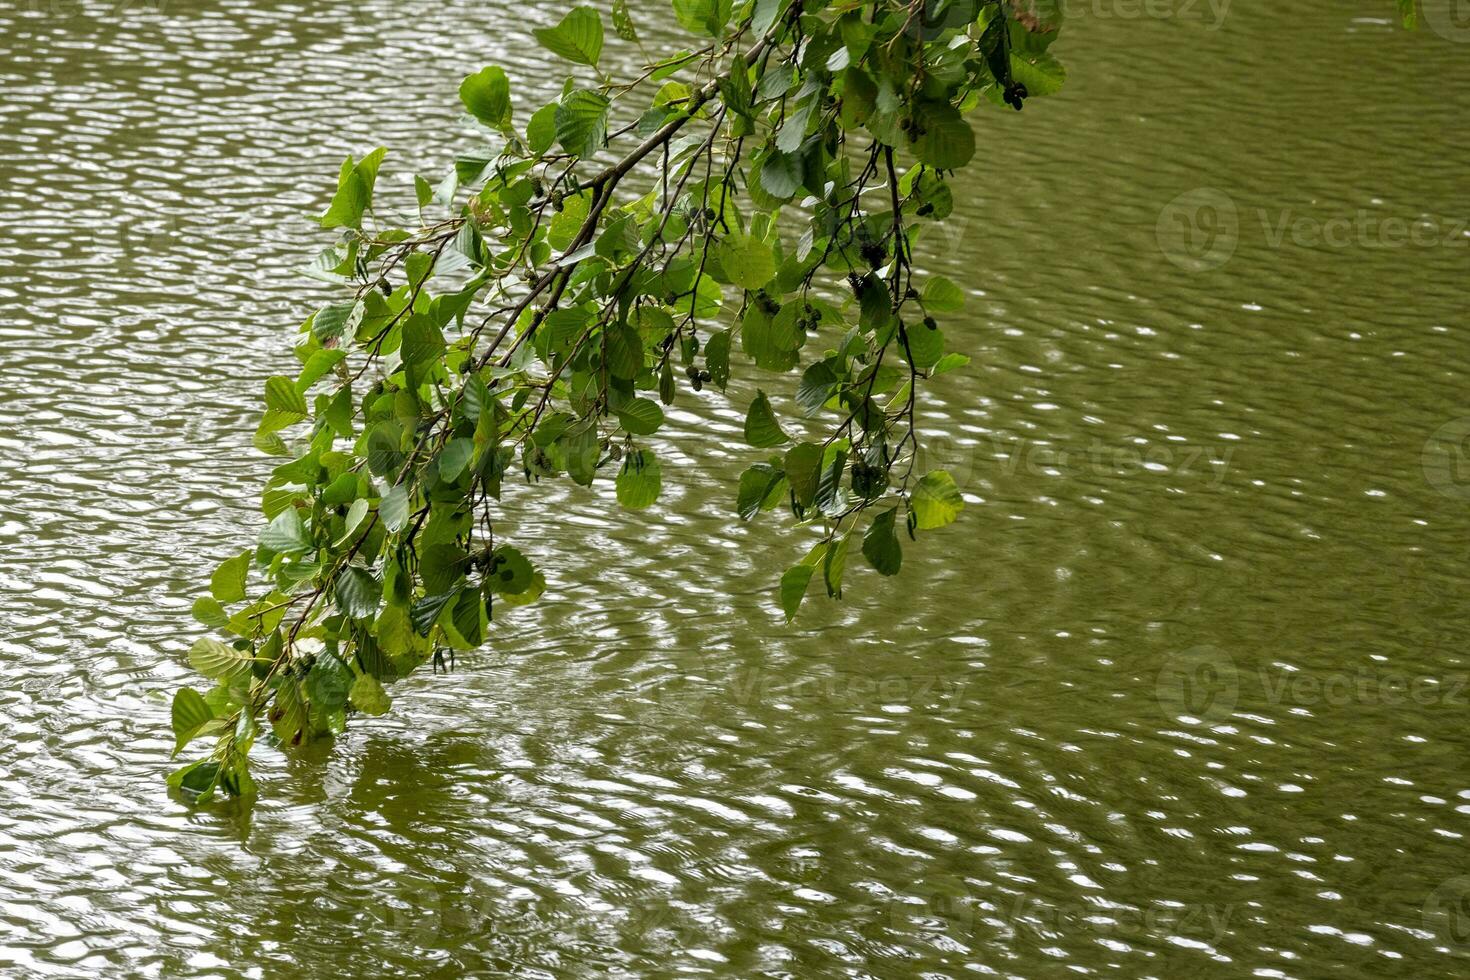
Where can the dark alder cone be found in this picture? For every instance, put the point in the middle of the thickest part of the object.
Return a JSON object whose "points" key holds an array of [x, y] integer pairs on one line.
{"points": [[1015, 95], [873, 254]]}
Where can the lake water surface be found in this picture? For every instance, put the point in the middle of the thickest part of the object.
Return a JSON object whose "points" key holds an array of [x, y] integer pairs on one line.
{"points": [[1185, 693]]}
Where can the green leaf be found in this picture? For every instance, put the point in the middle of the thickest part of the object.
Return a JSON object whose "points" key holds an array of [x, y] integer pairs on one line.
{"points": [[534, 591], [942, 296], [881, 546], [834, 563], [455, 457], [717, 358], [640, 481], [208, 611], [354, 191], [777, 81], [227, 584], [747, 261], [578, 38], [190, 714], [197, 780], [703, 16], [441, 566], [761, 488], [830, 497], [925, 346], [781, 174], [641, 417], [466, 618], [281, 395], [338, 413], [367, 695], [787, 332], [423, 341], [425, 611], [384, 453], [762, 430], [581, 122], [541, 130], [331, 322], [766, 12], [758, 339], [359, 593], [736, 93], [273, 501], [948, 363], [327, 684], [580, 450], [796, 578], [945, 140], [859, 97], [793, 588], [350, 200], [486, 94], [218, 660], [818, 383], [624, 351], [286, 534], [356, 514], [803, 466], [1039, 71], [794, 128], [510, 572], [317, 367], [566, 223], [393, 509], [936, 501], [268, 442]]}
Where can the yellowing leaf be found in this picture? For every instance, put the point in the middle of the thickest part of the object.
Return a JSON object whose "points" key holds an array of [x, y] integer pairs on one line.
{"points": [[936, 501]]}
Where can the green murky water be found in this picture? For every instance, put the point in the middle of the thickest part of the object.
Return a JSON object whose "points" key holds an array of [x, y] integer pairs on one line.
{"points": [[1185, 693]]}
